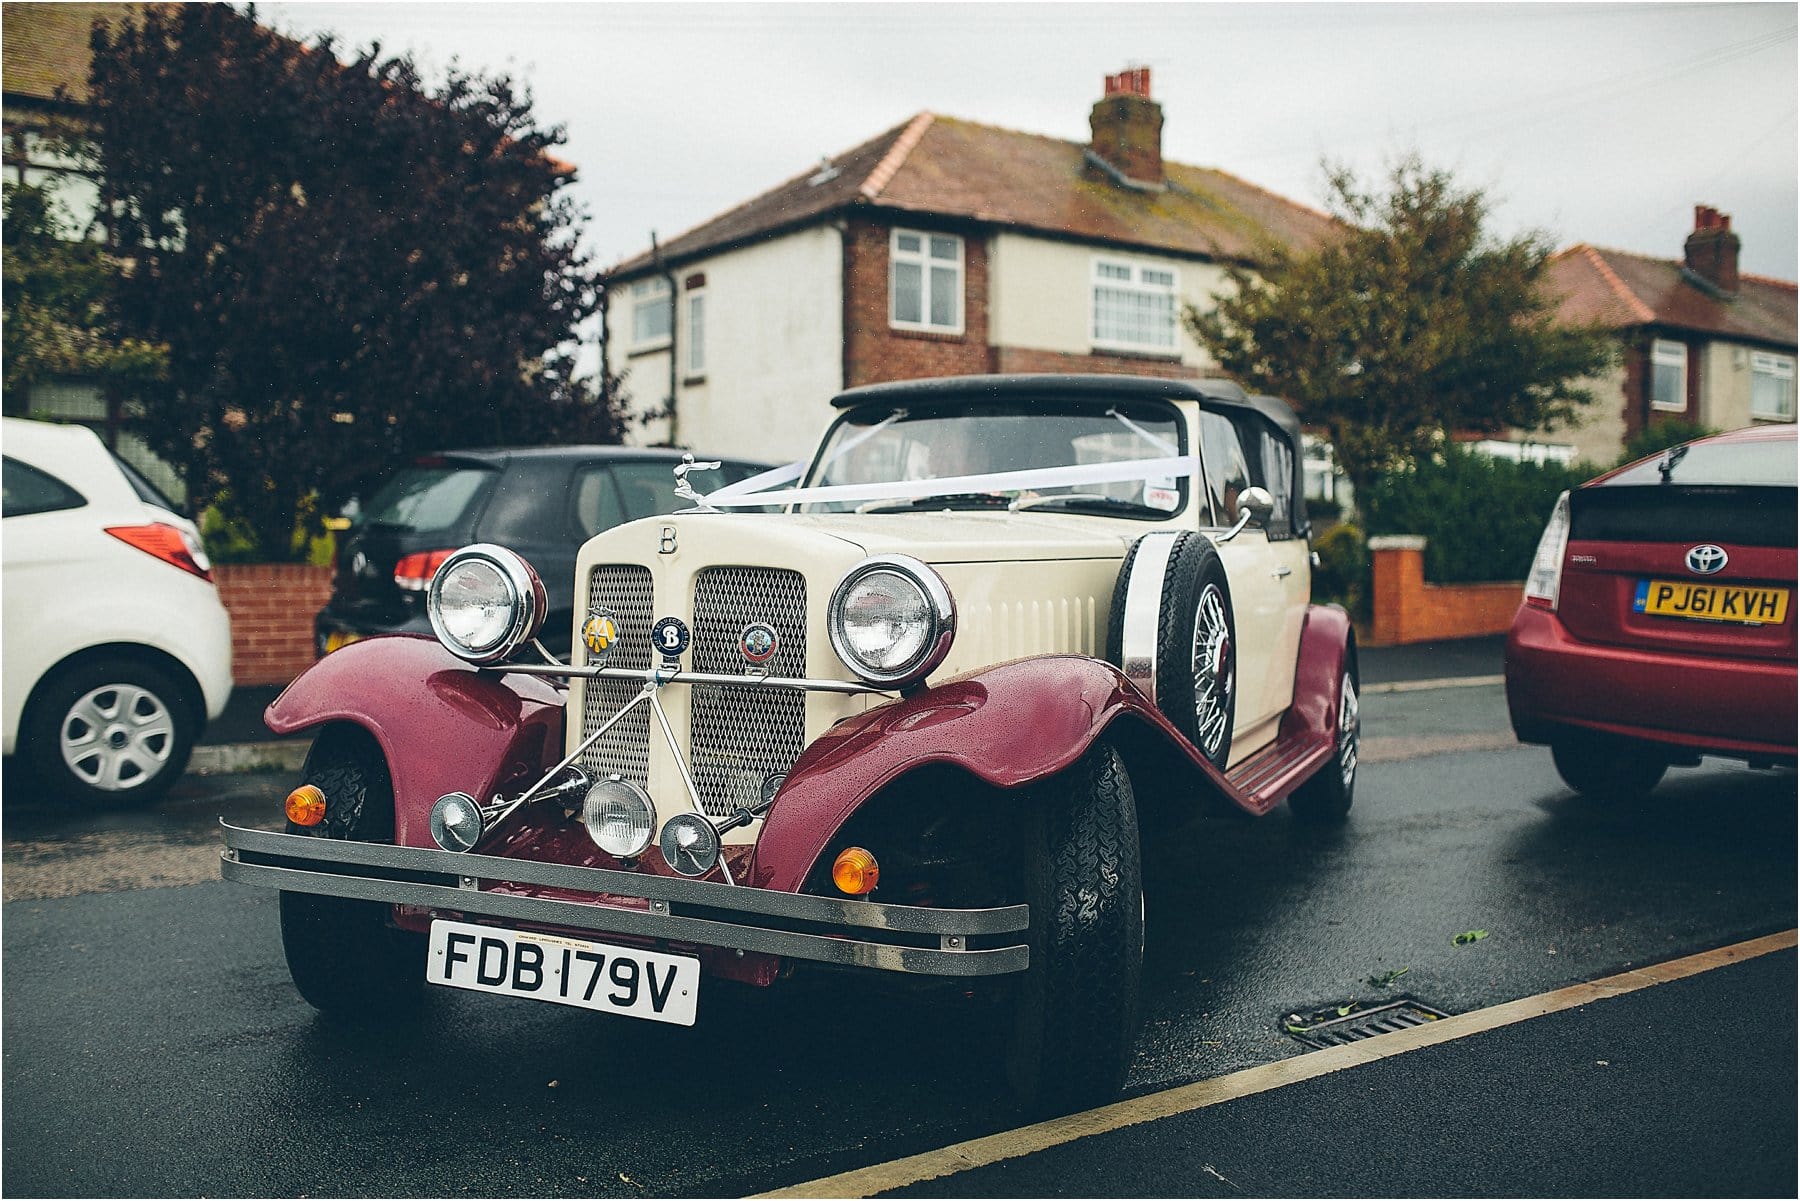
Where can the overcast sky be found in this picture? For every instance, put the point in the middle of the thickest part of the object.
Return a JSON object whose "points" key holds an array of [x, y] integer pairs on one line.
{"points": [[1598, 123]]}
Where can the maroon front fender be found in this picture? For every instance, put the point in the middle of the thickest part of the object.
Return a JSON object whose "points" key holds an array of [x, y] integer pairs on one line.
{"points": [[443, 725], [1007, 726]]}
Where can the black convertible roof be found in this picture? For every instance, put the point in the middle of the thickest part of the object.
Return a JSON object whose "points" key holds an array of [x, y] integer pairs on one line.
{"points": [[987, 389]]}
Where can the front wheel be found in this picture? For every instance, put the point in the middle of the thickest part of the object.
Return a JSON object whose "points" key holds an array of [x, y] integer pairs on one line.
{"points": [[1612, 769], [1076, 1009], [346, 956], [109, 730]]}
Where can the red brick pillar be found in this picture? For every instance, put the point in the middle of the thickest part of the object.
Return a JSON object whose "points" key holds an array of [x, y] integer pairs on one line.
{"points": [[1397, 568], [272, 607]]}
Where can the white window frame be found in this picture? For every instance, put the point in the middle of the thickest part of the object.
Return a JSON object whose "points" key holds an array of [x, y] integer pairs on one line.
{"points": [[1128, 276], [1667, 353], [646, 293], [1780, 368], [927, 264], [696, 332]]}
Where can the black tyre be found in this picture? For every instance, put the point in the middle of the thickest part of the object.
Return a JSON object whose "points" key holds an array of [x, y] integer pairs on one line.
{"points": [[1612, 769], [1076, 1009], [109, 730], [1172, 632], [347, 956], [1328, 795]]}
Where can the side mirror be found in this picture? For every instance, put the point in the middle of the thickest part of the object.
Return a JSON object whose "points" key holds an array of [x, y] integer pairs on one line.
{"points": [[1258, 503]]}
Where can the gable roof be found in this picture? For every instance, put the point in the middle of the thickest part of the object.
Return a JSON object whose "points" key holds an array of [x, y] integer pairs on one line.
{"points": [[1619, 290], [46, 47], [943, 166]]}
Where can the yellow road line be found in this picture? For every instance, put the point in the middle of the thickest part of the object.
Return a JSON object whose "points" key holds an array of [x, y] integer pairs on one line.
{"points": [[1027, 1140], [1427, 685]]}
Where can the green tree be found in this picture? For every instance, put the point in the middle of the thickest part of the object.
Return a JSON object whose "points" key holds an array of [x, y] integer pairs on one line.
{"points": [[1412, 323], [349, 266], [56, 291]]}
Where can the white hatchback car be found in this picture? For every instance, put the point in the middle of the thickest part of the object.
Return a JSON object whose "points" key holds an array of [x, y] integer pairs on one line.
{"points": [[117, 649]]}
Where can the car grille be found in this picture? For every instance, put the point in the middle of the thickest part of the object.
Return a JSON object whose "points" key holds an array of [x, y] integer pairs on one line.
{"points": [[738, 735]]}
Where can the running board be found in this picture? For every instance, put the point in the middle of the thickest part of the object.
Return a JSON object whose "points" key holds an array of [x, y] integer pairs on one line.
{"points": [[1267, 777]]}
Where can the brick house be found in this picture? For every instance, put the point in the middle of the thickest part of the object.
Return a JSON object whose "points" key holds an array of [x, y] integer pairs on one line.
{"points": [[940, 246], [1699, 340]]}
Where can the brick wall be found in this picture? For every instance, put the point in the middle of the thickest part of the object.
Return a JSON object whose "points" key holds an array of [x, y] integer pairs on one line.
{"points": [[1407, 609], [272, 607], [1022, 359], [872, 351]]}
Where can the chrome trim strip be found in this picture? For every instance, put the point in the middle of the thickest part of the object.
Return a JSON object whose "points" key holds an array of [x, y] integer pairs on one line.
{"points": [[1143, 610], [690, 677], [867, 915]]}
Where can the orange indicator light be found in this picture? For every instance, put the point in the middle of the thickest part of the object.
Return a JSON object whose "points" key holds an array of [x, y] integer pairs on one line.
{"points": [[855, 872], [306, 805]]}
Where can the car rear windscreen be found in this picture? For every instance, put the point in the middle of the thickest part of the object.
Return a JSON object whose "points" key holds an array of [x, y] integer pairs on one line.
{"points": [[435, 497]]}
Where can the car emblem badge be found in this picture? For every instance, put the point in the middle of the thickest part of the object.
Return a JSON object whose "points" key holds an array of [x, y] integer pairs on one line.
{"points": [[599, 633], [359, 564], [670, 637], [758, 642], [1706, 559]]}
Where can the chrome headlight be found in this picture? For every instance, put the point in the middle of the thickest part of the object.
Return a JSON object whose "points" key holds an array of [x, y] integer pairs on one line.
{"points": [[891, 620], [484, 603], [620, 817]]}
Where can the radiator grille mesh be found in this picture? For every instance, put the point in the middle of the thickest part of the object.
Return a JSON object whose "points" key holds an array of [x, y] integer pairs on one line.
{"points": [[627, 591], [741, 735]]}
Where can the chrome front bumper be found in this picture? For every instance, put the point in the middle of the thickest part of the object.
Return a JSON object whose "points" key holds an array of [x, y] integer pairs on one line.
{"points": [[892, 938]]}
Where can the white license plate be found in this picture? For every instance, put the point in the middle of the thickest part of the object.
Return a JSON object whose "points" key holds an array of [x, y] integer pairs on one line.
{"points": [[544, 967]]}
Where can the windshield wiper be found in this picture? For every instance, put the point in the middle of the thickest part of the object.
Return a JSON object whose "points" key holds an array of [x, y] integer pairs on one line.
{"points": [[931, 504], [1091, 502]]}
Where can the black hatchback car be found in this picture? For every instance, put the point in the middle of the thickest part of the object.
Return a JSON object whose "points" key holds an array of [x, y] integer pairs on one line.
{"points": [[541, 502]]}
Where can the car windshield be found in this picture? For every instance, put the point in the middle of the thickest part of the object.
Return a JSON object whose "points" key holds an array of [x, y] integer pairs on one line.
{"points": [[876, 446]]}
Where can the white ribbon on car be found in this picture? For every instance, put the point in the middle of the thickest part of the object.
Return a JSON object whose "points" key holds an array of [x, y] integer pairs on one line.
{"points": [[757, 489]]}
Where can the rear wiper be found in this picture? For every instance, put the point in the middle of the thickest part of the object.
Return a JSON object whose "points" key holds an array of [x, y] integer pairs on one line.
{"points": [[931, 504], [1666, 468], [1090, 501]]}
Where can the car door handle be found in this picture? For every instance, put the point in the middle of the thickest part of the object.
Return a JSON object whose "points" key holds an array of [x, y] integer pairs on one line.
{"points": [[1282, 573]]}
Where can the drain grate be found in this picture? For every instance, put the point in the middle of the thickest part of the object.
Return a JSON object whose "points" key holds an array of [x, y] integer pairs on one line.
{"points": [[1365, 1023]]}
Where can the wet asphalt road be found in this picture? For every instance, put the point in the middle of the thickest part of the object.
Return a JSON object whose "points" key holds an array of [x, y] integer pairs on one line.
{"points": [[153, 1045]]}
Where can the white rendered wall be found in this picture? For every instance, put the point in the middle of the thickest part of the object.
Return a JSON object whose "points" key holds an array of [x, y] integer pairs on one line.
{"points": [[774, 350], [1042, 294]]}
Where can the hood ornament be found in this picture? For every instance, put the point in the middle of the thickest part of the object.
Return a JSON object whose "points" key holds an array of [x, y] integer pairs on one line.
{"points": [[685, 489]]}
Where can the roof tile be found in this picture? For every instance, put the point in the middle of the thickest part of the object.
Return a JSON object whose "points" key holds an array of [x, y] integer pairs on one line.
{"points": [[1615, 288]]}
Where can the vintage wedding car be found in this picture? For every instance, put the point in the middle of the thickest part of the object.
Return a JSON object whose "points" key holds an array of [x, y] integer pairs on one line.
{"points": [[1004, 632]]}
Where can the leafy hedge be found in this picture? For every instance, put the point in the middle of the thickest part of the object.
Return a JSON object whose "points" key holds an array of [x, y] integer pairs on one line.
{"points": [[1481, 516]]}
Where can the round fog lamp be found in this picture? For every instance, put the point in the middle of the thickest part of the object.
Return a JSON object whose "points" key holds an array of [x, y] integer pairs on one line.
{"points": [[690, 845], [619, 817], [456, 823]]}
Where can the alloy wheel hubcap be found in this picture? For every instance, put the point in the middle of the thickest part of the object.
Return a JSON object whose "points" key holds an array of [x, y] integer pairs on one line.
{"points": [[117, 737]]}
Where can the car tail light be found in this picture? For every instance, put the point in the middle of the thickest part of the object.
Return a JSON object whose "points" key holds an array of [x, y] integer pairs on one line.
{"points": [[166, 542], [413, 572], [1544, 583]]}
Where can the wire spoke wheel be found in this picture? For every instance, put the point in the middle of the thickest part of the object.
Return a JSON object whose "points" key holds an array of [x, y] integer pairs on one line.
{"points": [[1214, 671]]}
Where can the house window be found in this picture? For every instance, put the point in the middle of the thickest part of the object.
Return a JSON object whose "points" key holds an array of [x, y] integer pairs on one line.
{"points": [[1668, 375], [1771, 386], [1134, 306], [651, 312], [925, 282], [696, 333]]}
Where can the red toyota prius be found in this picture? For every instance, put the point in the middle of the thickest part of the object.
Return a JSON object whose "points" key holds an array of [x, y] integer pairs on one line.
{"points": [[1658, 622]]}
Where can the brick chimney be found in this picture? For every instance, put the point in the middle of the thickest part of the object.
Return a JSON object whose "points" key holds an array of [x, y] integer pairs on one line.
{"points": [[1127, 127], [1712, 249]]}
